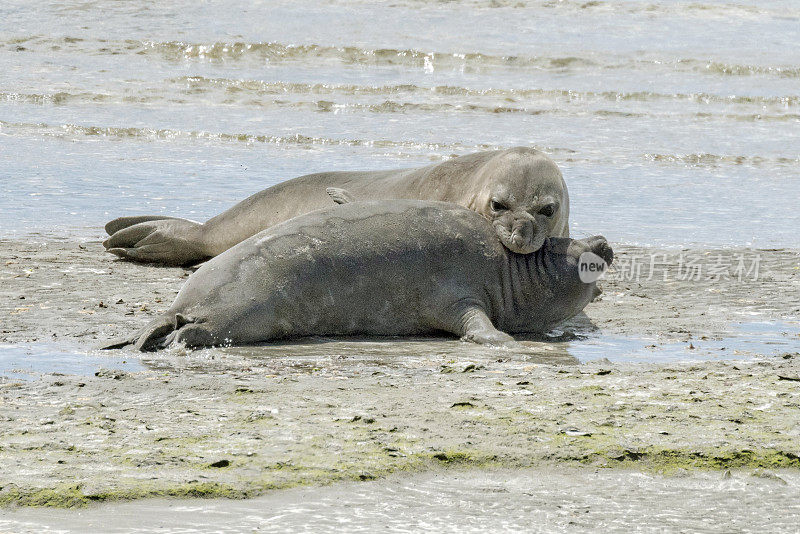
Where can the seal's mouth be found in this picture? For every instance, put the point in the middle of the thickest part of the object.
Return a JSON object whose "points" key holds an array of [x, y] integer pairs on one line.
{"points": [[519, 244], [522, 240]]}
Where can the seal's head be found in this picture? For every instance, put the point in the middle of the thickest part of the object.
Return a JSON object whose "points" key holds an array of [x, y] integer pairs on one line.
{"points": [[525, 198], [568, 270], [573, 266], [586, 258]]}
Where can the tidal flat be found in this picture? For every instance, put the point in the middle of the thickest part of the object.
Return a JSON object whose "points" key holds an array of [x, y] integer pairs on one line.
{"points": [[239, 422]]}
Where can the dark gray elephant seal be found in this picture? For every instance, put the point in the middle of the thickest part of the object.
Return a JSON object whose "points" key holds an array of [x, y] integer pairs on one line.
{"points": [[377, 268], [520, 190]]}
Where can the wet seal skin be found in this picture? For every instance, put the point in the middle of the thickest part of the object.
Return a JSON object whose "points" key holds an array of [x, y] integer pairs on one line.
{"points": [[377, 268], [520, 190]]}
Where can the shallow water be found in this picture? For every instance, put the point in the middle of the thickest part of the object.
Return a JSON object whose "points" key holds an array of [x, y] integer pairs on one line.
{"points": [[521, 501], [184, 108], [747, 340], [385, 356], [28, 361]]}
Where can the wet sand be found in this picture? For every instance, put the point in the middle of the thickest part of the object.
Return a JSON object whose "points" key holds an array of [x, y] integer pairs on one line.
{"points": [[240, 422], [536, 500]]}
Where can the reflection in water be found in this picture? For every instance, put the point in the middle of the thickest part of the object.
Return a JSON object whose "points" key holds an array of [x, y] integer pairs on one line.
{"points": [[363, 356]]}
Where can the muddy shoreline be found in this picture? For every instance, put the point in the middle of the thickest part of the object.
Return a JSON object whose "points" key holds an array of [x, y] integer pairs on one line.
{"points": [[543, 500], [239, 422]]}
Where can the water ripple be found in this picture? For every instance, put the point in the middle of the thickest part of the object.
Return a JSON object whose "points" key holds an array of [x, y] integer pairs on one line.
{"points": [[444, 150], [427, 60]]}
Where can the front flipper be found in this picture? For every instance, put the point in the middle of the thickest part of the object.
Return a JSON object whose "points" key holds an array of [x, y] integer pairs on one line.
{"points": [[339, 195], [167, 241], [475, 326]]}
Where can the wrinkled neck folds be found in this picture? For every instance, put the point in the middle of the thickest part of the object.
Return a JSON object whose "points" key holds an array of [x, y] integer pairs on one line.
{"points": [[528, 281]]}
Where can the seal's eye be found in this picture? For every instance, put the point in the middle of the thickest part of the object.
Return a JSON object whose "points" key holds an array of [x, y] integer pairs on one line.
{"points": [[549, 210], [498, 206]]}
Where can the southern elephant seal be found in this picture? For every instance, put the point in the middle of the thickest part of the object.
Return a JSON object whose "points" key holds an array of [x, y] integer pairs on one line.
{"points": [[376, 268], [520, 190]]}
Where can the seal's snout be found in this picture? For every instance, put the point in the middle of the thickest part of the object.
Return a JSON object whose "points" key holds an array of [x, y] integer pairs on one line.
{"points": [[519, 234], [522, 232], [598, 245]]}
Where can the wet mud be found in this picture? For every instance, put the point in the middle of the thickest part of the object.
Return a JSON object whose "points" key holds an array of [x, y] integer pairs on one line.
{"points": [[242, 421]]}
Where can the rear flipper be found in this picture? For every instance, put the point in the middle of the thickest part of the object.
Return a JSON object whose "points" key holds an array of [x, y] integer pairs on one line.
{"points": [[149, 337], [165, 331], [156, 239], [191, 336], [112, 227]]}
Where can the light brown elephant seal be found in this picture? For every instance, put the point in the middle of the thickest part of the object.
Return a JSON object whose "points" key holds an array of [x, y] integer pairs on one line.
{"points": [[520, 190], [377, 268]]}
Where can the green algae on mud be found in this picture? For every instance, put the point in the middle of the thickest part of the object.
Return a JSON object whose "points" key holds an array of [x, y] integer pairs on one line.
{"points": [[661, 461], [182, 434], [666, 461], [73, 496]]}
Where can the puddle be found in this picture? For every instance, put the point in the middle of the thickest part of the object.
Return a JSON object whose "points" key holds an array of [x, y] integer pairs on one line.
{"points": [[26, 361], [404, 355], [751, 339], [401, 356]]}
